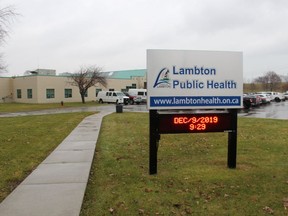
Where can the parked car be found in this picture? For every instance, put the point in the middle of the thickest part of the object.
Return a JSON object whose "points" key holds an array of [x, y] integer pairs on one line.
{"points": [[133, 99], [268, 96], [137, 96], [255, 100], [130, 101], [286, 95], [112, 97], [246, 102], [276, 96], [264, 98]]}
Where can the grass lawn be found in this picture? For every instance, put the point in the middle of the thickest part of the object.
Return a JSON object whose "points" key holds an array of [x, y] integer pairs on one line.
{"points": [[27, 141], [20, 107], [193, 178]]}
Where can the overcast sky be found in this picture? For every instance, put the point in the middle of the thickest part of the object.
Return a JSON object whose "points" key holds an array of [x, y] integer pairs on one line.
{"points": [[115, 34]]}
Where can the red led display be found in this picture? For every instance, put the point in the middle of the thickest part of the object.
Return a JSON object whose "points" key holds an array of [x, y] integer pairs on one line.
{"points": [[195, 123]]}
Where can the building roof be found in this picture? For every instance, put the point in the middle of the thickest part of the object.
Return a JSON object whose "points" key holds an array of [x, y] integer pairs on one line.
{"points": [[122, 74], [126, 74]]}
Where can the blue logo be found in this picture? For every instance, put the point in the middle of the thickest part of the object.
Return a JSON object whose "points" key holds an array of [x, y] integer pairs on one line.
{"points": [[163, 79]]}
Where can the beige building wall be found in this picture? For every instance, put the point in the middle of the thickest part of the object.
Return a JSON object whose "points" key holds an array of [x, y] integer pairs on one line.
{"points": [[18, 88], [40, 86], [58, 84], [22, 84], [6, 92], [140, 82], [118, 84]]}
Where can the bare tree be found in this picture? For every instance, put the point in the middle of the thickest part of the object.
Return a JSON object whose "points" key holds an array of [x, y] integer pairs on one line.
{"points": [[270, 80], [6, 16], [274, 80], [263, 81], [285, 84], [2, 64], [87, 77]]}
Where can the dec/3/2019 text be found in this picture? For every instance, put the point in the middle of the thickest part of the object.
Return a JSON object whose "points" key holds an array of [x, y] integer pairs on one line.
{"points": [[193, 120], [196, 123]]}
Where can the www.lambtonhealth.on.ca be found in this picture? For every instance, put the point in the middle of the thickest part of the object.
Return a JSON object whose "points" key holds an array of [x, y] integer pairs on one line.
{"points": [[177, 101]]}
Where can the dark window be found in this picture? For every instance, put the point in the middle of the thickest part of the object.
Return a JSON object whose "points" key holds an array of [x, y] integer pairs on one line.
{"points": [[97, 91], [50, 93], [68, 93], [140, 93], [29, 93], [19, 93]]}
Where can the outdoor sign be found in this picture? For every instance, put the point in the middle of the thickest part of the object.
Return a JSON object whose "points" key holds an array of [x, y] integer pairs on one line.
{"points": [[181, 80], [178, 79]]}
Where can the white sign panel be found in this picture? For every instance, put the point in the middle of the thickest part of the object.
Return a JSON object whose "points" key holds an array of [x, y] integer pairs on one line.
{"points": [[178, 79]]}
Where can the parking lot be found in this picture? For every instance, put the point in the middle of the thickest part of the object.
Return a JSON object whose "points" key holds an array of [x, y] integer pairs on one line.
{"points": [[273, 110]]}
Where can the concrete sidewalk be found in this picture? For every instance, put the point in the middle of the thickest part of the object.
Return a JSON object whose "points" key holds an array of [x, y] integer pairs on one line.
{"points": [[57, 186]]}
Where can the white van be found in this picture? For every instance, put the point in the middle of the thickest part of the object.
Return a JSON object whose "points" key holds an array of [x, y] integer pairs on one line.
{"points": [[137, 95], [117, 97], [276, 96]]}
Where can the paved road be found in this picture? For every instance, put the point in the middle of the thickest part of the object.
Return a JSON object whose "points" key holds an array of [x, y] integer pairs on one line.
{"points": [[61, 110], [110, 108], [273, 110]]}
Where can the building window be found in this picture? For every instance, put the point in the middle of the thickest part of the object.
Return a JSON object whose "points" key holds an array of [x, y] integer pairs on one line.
{"points": [[68, 93], [19, 95], [86, 94], [29, 93], [97, 91], [134, 86], [50, 93], [111, 89]]}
